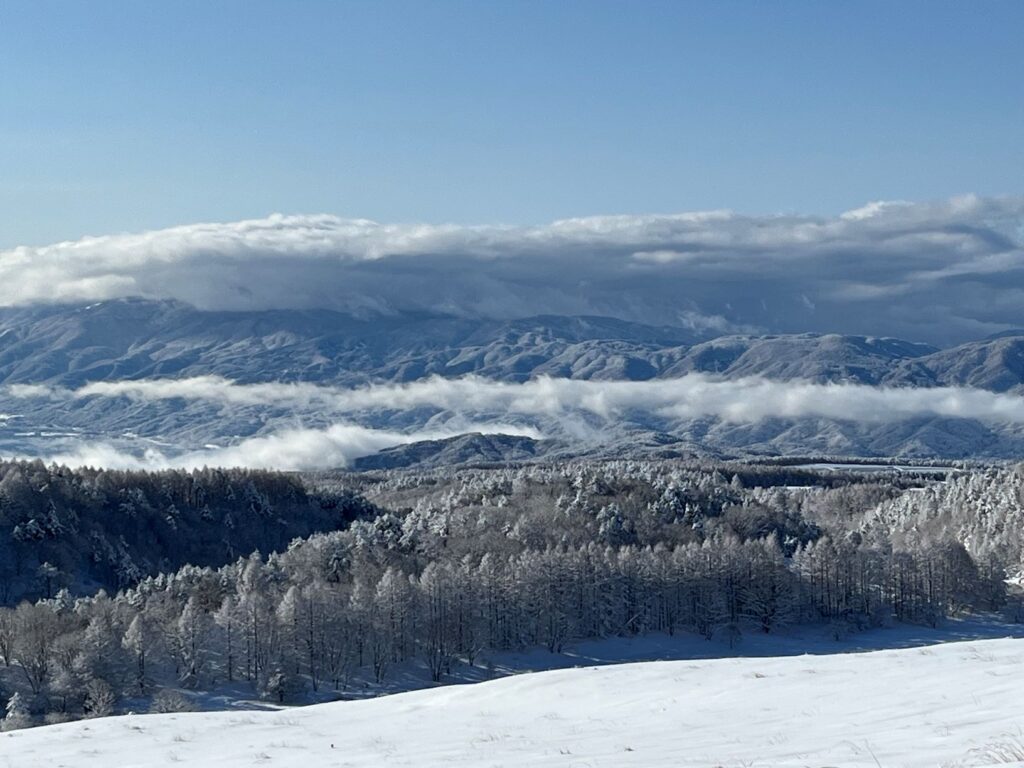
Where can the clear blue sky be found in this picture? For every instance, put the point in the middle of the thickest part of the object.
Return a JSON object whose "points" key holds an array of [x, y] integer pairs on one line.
{"points": [[132, 115]]}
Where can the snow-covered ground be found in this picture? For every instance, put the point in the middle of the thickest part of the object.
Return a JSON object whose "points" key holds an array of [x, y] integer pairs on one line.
{"points": [[958, 703], [655, 646]]}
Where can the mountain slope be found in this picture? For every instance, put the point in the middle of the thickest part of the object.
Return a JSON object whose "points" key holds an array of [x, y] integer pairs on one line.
{"points": [[464, 449], [993, 364], [810, 357]]}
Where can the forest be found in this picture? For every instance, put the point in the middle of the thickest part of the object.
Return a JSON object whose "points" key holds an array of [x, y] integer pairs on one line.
{"points": [[87, 529], [138, 591]]}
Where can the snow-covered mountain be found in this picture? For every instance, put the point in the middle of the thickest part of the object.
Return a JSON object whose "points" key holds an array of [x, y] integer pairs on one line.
{"points": [[131, 339], [68, 348], [952, 704], [134, 338]]}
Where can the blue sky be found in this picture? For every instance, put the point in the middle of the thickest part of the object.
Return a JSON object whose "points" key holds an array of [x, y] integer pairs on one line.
{"points": [[128, 116]]}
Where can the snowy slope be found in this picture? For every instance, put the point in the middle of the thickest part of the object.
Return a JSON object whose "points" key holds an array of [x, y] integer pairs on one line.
{"points": [[952, 704]]}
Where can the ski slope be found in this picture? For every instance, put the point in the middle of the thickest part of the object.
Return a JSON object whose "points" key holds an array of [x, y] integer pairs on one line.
{"points": [[953, 704]]}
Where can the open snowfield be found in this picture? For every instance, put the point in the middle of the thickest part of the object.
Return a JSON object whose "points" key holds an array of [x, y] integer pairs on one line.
{"points": [[959, 703]]}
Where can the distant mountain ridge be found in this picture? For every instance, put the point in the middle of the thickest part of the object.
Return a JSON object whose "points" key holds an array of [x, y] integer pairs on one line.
{"points": [[134, 338], [131, 339], [69, 346]]}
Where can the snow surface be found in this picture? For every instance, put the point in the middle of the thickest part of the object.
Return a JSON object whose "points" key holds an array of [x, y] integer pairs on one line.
{"points": [[954, 704], [654, 646]]}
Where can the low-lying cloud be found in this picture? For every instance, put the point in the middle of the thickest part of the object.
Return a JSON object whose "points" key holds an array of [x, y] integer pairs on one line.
{"points": [[694, 396], [941, 272], [293, 449], [574, 410]]}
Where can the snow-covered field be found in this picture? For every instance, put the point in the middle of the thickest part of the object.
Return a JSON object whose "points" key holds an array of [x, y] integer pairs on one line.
{"points": [[954, 704]]}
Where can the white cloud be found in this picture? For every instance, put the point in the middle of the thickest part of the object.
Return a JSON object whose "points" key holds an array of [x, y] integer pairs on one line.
{"points": [[294, 449], [582, 411], [696, 395], [949, 264], [872, 209]]}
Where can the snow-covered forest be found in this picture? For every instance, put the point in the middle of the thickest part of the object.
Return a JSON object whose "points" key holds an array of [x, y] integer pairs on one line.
{"points": [[442, 570], [87, 529]]}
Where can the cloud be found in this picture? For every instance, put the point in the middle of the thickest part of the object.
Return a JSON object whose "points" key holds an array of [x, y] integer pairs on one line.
{"points": [[364, 420], [940, 272], [293, 449], [745, 400]]}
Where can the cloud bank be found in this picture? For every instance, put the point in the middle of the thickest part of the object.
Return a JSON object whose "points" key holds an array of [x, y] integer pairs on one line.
{"points": [[581, 411], [474, 400], [942, 272]]}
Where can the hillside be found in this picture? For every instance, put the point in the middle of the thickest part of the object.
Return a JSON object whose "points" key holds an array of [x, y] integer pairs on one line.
{"points": [[952, 704]]}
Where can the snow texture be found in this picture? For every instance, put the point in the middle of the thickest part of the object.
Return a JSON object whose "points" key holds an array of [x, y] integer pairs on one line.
{"points": [[954, 704]]}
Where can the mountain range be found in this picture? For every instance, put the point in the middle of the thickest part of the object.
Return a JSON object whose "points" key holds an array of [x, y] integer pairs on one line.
{"points": [[134, 338], [139, 340]]}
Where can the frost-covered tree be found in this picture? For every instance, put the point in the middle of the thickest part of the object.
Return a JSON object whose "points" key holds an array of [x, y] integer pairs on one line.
{"points": [[17, 714], [193, 630], [138, 641], [99, 699]]}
